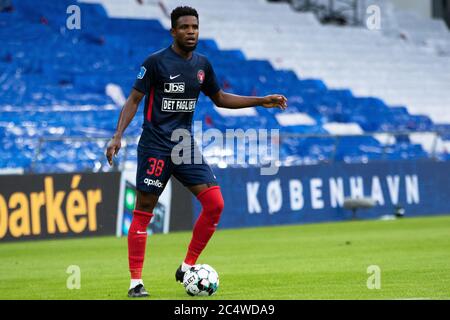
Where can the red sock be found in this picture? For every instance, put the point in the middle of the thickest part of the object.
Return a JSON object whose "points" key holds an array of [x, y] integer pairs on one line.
{"points": [[137, 238], [212, 206]]}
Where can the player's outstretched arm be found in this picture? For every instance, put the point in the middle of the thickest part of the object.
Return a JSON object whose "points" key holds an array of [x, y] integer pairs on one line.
{"points": [[232, 101], [126, 115]]}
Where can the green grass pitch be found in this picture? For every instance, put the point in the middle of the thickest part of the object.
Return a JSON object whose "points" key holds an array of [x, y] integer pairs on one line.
{"points": [[317, 261]]}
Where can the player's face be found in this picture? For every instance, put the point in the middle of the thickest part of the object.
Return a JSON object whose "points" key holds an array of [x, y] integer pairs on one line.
{"points": [[185, 33]]}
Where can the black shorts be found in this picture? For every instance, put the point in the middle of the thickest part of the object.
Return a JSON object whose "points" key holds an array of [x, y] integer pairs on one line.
{"points": [[154, 170]]}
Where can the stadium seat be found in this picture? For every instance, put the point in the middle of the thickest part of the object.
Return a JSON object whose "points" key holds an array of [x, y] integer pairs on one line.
{"points": [[53, 70]]}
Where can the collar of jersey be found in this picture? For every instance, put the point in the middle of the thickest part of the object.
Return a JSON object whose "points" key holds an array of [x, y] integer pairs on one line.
{"points": [[180, 57]]}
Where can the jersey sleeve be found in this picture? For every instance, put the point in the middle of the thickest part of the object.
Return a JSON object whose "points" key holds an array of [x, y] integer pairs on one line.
{"points": [[210, 85], [146, 78]]}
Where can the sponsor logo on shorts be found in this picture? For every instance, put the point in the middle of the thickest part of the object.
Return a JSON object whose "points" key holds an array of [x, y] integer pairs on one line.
{"points": [[174, 87], [151, 182], [178, 105]]}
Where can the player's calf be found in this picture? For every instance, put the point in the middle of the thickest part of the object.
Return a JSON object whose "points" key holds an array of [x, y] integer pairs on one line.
{"points": [[206, 224], [137, 238]]}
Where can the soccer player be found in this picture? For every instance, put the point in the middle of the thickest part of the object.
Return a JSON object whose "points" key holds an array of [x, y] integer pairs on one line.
{"points": [[171, 80]]}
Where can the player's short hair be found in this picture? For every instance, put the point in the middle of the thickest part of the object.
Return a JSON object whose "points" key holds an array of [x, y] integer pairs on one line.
{"points": [[180, 12]]}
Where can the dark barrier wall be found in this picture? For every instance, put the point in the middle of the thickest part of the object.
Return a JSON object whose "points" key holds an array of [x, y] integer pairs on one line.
{"points": [[58, 205], [181, 208], [316, 193]]}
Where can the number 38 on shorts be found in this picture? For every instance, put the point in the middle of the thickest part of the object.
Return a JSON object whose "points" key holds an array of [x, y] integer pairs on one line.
{"points": [[155, 166]]}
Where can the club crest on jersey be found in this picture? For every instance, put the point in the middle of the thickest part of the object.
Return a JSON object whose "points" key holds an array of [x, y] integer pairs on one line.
{"points": [[141, 73], [200, 76]]}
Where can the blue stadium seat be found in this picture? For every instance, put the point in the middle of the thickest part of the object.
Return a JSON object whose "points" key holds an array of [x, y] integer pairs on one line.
{"points": [[53, 84]]}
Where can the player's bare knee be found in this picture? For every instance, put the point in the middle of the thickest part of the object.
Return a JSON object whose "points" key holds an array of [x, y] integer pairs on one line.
{"points": [[146, 206], [146, 202]]}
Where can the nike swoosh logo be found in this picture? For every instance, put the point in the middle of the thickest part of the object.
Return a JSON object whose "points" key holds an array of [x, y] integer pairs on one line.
{"points": [[141, 232], [173, 77]]}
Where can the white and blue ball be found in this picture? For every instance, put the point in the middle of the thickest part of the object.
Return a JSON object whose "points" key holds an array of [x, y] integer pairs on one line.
{"points": [[201, 280]]}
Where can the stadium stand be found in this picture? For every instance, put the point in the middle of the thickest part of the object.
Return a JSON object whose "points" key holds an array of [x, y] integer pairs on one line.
{"points": [[58, 83]]}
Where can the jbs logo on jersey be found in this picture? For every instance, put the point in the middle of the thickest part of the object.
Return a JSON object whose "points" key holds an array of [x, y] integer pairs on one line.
{"points": [[175, 87], [178, 105]]}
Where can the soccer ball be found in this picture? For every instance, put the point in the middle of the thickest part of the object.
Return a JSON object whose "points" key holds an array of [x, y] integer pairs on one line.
{"points": [[201, 280]]}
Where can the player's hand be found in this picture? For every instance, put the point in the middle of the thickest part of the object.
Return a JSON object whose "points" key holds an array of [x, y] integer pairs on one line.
{"points": [[113, 148], [275, 101]]}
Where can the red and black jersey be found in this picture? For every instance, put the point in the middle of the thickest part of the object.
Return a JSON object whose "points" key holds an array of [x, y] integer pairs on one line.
{"points": [[171, 85]]}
